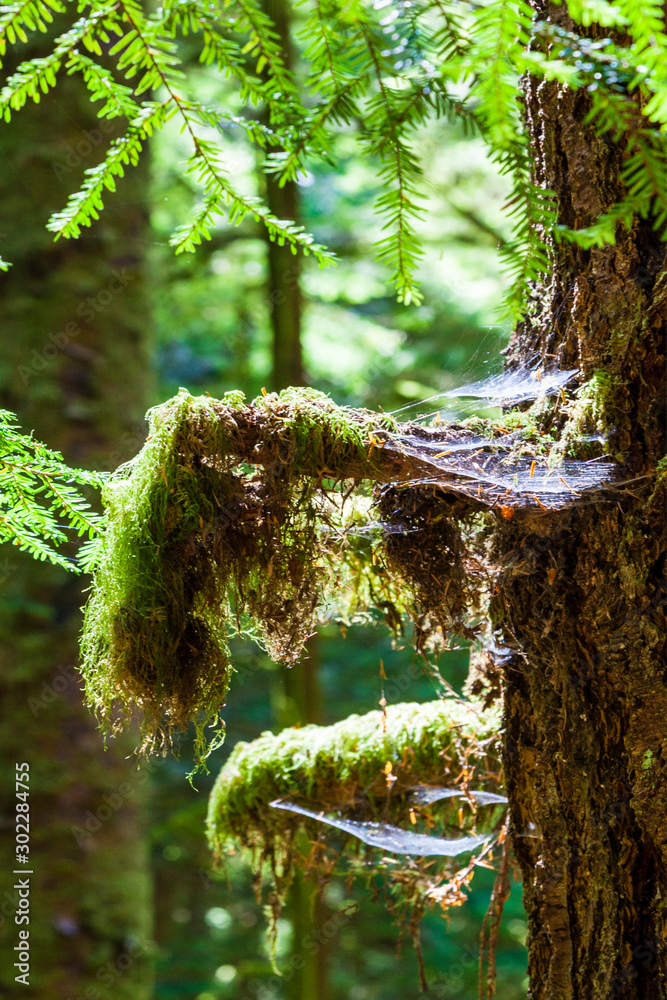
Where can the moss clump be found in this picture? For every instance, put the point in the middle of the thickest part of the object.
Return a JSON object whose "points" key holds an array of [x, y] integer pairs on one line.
{"points": [[589, 418], [365, 768], [429, 556], [154, 635], [343, 766], [197, 537]]}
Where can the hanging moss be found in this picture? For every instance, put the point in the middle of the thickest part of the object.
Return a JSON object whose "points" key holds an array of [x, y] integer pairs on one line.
{"points": [[196, 538], [363, 768], [430, 556], [153, 635], [237, 515]]}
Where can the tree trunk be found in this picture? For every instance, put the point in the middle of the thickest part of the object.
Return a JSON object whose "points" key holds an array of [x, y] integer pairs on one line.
{"points": [[284, 266], [300, 697], [582, 597], [73, 366]]}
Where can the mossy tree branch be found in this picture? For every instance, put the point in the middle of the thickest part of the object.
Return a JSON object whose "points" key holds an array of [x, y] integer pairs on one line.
{"points": [[367, 767], [235, 515]]}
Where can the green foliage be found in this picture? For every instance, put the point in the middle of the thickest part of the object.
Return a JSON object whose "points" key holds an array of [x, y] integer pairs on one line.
{"points": [[213, 326], [611, 78], [158, 621], [85, 205], [386, 72], [237, 516], [40, 509], [25, 16], [234, 514], [364, 949], [221, 196], [501, 36]]}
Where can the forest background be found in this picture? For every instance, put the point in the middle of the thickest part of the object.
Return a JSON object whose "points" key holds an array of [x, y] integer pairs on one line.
{"points": [[204, 322]]}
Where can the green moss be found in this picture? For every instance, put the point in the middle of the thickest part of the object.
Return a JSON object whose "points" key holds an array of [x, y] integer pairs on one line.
{"points": [[236, 516], [532, 438], [591, 412], [343, 767], [656, 500], [235, 397], [319, 438], [364, 767], [198, 537], [153, 634]]}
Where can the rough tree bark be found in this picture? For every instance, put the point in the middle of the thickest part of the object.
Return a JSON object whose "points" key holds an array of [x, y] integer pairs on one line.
{"points": [[582, 600]]}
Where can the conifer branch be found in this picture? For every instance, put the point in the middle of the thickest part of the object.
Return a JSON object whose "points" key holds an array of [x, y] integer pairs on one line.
{"points": [[219, 193], [40, 509], [17, 19], [356, 78]]}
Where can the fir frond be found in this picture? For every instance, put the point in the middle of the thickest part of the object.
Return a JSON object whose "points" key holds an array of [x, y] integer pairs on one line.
{"points": [[390, 116], [313, 138], [17, 19], [644, 175], [35, 77], [452, 39], [263, 43], [221, 198], [646, 24], [101, 85], [587, 12], [86, 204], [501, 34], [40, 509]]}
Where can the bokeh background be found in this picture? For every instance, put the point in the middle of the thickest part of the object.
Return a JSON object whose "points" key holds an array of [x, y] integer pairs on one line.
{"points": [[124, 901]]}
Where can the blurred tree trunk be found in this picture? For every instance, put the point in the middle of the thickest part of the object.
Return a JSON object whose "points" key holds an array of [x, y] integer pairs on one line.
{"points": [[285, 292], [583, 596], [73, 365], [299, 700], [284, 266]]}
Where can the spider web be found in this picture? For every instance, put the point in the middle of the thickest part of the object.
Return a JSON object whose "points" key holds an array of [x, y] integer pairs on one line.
{"points": [[502, 470], [388, 837]]}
